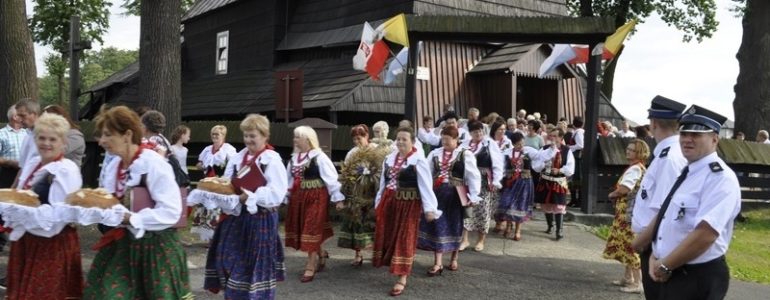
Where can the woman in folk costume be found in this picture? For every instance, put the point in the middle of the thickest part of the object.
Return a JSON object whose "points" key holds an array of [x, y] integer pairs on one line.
{"points": [[360, 182], [147, 262], [619, 242], [44, 263], [312, 184], [490, 164], [552, 190], [498, 133], [212, 161], [405, 193], [246, 256], [517, 195], [456, 184]]}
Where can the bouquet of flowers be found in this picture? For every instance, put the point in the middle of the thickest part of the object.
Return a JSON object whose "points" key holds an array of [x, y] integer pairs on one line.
{"points": [[360, 178]]}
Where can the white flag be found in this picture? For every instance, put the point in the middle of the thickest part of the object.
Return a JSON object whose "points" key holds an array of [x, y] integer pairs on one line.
{"points": [[397, 65], [561, 53], [365, 48]]}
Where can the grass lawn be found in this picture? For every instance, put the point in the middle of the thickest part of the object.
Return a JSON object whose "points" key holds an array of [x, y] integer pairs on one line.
{"points": [[749, 252]]}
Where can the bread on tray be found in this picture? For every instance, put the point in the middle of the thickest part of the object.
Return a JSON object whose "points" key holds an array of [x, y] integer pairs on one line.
{"points": [[98, 198], [21, 197], [217, 185]]}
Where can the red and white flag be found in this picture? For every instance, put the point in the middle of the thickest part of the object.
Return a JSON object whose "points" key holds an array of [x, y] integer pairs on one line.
{"points": [[372, 53]]}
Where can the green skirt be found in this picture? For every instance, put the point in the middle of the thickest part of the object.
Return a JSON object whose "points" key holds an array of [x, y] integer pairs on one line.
{"points": [[357, 229], [153, 267]]}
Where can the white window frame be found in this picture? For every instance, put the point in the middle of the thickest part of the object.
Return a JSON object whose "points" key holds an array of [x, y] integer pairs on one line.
{"points": [[222, 52]]}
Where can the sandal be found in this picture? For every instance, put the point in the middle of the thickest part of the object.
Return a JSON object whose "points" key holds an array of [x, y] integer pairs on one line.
{"points": [[358, 261], [454, 266], [478, 248], [394, 292], [322, 261], [621, 282], [463, 245], [307, 278], [436, 271]]}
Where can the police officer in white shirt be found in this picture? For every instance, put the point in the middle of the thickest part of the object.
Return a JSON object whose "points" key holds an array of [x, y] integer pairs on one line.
{"points": [[666, 164], [693, 228]]}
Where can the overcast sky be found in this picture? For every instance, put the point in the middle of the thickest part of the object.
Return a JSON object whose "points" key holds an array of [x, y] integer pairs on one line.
{"points": [[654, 62]]}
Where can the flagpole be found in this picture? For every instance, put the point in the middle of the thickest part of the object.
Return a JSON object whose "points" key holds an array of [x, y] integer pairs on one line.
{"points": [[396, 58]]}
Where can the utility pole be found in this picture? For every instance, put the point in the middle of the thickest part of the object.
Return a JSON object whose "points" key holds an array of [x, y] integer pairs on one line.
{"points": [[75, 47]]}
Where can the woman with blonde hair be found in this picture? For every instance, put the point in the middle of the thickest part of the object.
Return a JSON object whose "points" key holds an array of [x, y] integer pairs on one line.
{"points": [[212, 161], [246, 256], [313, 183], [44, 262], [620, 238]]}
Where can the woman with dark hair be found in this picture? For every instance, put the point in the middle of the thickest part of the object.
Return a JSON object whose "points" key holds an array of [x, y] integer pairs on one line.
{"points": [[533, 138], [405, 193], [360, 181], [153, 123], [552, 190], [499, 134], [150, 263], [75, 148], [457, 183], [489, 161], [179, 138]]}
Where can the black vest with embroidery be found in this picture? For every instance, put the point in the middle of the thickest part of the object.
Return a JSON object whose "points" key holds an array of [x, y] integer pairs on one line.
{"points": [[564, 154], [457, 168], [311, 170], [42, 188], [484, 158], [407, 177], [525, 165]]}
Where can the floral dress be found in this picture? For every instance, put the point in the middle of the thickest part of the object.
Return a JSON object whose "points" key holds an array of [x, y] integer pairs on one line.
{"points": [[619, 241]]}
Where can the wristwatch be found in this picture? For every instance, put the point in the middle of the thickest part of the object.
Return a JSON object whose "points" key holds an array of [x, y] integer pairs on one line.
{"points": [[664, 269]]}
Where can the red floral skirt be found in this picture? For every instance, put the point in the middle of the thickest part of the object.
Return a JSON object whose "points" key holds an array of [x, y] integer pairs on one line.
{"points": [[395, 235], [46, 268], [307, 220]]}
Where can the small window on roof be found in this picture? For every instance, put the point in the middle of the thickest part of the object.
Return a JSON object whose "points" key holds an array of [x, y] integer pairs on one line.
{"points": [[222, 49]]}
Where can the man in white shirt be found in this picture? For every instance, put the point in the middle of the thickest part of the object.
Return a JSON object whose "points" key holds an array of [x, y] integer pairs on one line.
{"points": [[576, 145], [692, 231], [28, 111], [661, 174], [625, 131]]}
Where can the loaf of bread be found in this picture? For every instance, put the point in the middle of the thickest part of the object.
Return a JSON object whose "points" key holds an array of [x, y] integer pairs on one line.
{"points": [[21, 197], [217, 185], [98, 198]]}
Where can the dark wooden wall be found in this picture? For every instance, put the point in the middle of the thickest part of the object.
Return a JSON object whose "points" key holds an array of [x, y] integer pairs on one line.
{"points": [[537, 95], [448, 63], [495, 93]]}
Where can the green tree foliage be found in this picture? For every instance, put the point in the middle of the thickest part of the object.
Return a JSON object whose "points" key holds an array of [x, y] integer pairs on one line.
{"points": [[95, 67], [132, 6], [694, 18], [51, 27]]}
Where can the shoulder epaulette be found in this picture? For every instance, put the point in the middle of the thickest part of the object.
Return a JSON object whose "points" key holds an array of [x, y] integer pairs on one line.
{"points": [[715, 167], [664, 152]]}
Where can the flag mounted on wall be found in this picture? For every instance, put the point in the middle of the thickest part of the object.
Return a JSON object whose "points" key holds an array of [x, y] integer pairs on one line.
{"points": [[373, 51]]}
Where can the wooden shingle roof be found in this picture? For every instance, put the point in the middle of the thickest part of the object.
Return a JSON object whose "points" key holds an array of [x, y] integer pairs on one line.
{"points": [[204, 6]]}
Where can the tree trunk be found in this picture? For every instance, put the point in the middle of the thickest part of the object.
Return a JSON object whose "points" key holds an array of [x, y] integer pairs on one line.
{"points": [[18, 76], [160, 59], [752, 89]]}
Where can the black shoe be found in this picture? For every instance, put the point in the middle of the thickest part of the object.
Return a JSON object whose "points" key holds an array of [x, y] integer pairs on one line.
{"points": [[559, 236], [3, 284], [549, 230]]}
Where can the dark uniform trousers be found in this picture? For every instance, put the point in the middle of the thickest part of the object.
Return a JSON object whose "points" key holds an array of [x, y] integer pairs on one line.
{"points": [[651, 288], [704, 281]]}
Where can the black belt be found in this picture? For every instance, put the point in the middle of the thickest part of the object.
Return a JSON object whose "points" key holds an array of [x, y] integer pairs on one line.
{"points": [[694, 268]]}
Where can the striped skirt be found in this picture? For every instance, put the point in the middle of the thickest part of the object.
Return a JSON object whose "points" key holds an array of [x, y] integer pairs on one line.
{"points": [[357, 228], [516, 201], [307, 219], [153, 267], [246, 256], [445, 233], [395, 238]]}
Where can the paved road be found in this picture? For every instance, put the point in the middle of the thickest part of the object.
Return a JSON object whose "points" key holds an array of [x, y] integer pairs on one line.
{"points": [[534, 268]]}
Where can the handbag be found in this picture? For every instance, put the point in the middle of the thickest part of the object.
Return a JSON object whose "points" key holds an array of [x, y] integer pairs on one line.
{"points": [[181, 178]]}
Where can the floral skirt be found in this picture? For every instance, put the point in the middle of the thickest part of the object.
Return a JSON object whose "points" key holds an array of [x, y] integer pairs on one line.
{"points": [[357, 229], [445, 233], [619, 241], [307, 219], [204, 221], [246, 256], [396, 233], [45, 268], [482, 212], [153, 267], [516, 201]]}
